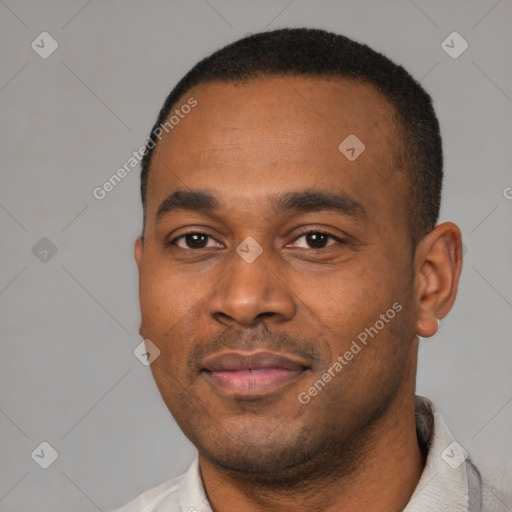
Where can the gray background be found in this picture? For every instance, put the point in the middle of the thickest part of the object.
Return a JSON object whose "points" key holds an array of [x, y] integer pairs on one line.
{"points": [[69, 325]]}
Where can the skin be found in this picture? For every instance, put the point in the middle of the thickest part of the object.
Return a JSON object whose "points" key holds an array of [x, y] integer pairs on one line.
{"points": [[354, 445]]}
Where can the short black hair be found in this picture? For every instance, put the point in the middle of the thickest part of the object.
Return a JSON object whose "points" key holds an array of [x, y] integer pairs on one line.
{"points": [[318, 53]]}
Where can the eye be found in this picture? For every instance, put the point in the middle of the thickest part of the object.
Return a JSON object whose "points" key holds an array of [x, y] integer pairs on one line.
{"points": [[317, 240], [309, 240], [194, 240]]}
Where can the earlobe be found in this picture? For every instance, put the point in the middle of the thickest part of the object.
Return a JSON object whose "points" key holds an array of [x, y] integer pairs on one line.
{"points": [[438, 264]]}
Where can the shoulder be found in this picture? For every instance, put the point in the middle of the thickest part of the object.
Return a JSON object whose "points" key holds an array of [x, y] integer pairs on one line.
{"points": [[161, 498], [496, 494]]}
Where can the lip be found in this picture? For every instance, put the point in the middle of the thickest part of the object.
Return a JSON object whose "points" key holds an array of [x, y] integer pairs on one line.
{"points": [[252, 374]]}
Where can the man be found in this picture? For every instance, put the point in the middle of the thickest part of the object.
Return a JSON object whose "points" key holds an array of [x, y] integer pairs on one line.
{"points": [[289, 261]]}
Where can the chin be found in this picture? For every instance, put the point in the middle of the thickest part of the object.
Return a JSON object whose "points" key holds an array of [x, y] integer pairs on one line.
{"points": [[265, 449], [255, 461]]}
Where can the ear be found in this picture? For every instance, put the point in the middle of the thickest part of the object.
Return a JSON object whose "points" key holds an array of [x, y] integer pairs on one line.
{"points": [[438, 264], [137, 251], [138, 248]]}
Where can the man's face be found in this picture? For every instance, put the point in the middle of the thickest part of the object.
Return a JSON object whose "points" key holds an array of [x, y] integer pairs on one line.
{"points": [[244, 341]]}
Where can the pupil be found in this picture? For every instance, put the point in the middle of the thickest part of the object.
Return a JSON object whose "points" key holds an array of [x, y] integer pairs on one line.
{"points": [[316, 240], [196, 240]]}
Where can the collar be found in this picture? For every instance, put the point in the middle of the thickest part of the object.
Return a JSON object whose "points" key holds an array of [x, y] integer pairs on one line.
{"points": [[443, 484]]}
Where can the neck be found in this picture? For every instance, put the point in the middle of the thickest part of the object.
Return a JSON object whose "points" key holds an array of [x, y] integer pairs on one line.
{"points": [[387, 473]]}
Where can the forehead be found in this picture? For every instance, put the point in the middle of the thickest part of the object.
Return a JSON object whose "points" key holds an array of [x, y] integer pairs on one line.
{"points": [[297, 108], [277, 132]]}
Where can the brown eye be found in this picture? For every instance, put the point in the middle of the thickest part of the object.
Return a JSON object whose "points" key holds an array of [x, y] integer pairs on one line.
{"points": [[316, 240], [193, 240], [196, 240]]}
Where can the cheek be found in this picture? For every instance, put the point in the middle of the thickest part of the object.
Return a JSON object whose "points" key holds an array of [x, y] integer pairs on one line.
{"points": [[347, 307], [170, 319], [164, 299], [352, 293], [362, 321]]}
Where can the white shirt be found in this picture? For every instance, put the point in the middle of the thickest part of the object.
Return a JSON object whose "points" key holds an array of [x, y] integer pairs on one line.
{"points": [[449, 482]]}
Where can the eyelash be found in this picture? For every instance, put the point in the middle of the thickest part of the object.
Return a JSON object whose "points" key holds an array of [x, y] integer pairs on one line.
{"points": [[339, 240]]}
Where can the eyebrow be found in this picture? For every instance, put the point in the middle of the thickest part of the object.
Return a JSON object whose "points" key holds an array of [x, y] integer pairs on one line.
{"points": [[305, 201], [192, 200], [301, 201]]}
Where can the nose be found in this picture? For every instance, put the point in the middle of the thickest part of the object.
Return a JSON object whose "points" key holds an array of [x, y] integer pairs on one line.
{"points": [[249, 293]]}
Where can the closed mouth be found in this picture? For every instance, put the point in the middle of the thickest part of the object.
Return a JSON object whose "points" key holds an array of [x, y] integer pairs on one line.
{"points": [[252, 374]]}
